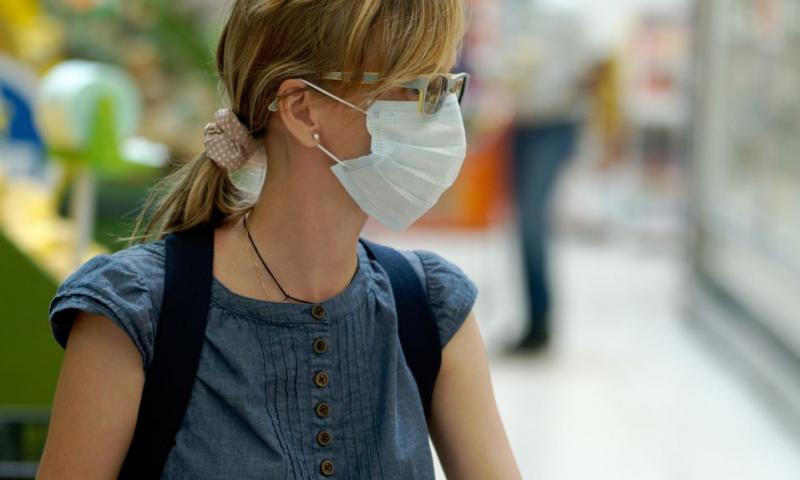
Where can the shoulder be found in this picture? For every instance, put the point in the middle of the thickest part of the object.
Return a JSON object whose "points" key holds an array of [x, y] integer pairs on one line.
{"points": [[451, 293], [125, 286]]}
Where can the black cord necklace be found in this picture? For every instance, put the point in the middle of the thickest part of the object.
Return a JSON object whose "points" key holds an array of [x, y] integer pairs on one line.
{"points": [[286, 296]]}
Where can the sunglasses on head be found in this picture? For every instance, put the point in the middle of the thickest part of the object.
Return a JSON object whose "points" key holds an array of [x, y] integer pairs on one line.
{"points": [[432, 89]]}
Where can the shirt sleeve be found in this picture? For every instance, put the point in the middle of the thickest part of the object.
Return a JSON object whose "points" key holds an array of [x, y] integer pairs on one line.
{"points": [[451, 293], [109, 285]]}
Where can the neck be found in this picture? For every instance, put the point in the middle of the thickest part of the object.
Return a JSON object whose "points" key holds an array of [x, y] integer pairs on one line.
{"points": [[307, 232]]}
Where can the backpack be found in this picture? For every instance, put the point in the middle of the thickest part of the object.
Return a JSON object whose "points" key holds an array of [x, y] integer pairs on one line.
{"points": [[181, 330]]}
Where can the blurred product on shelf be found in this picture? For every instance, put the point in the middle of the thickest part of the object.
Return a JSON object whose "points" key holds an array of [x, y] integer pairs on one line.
{"points": [[606, 111], [655, 76], [21, 148], [60, 134], [29, 35], [165, 46], [83, 113], [85, 110], [630, 177], [28, 222]]}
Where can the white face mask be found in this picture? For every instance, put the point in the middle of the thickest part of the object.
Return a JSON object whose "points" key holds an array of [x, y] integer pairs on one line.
{"points": [[413, 159]]}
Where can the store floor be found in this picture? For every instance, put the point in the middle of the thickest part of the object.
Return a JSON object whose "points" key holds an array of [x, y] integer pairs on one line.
{"points": [[628, 390]]}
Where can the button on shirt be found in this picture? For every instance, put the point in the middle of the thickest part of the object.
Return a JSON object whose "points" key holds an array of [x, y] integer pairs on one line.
{"points": [[320, 345], [318, 312], [284, 390]]}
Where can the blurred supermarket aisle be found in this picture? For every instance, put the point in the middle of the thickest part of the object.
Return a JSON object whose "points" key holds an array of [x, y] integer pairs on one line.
{"points": [[628, 390]]}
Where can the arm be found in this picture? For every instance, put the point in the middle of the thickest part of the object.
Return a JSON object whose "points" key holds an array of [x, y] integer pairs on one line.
{"points": [[466, 427], [96, 402]]}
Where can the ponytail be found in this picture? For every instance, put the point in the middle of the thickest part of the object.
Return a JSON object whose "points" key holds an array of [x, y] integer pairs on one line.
{"points": [[198, 191]]}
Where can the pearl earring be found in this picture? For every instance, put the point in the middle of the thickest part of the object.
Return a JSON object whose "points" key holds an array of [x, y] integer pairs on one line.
{"points": [[315, 136]]}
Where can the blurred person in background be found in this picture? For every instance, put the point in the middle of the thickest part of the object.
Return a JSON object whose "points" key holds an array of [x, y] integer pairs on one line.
{"points": [[316, 307], [549, 71]]}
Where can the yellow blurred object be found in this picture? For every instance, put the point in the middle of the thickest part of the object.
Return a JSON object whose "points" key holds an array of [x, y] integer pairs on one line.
{"points": [[608, 112], [607, 116], [29, 35], [19, 12], [28, 217]]}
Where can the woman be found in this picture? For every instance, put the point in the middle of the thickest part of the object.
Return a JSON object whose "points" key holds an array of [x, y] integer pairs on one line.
{"points": [[293, 73]]}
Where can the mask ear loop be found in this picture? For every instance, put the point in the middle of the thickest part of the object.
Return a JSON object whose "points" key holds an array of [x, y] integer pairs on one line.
{"points": [[322, 90], [315, 136], [273, 107]]}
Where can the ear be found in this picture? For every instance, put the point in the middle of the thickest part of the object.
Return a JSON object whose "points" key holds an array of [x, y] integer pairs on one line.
{"points": [[299, 114]]}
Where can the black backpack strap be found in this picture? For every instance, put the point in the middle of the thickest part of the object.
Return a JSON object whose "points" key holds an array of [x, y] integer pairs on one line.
{"points": [[419, 335], [179, 339]]}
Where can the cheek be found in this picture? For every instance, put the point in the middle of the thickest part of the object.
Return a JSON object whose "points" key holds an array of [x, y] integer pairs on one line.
{"points": [[349, 136]]}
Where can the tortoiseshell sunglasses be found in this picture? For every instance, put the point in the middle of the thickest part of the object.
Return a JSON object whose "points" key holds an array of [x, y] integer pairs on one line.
{"points": [[432, 89]]}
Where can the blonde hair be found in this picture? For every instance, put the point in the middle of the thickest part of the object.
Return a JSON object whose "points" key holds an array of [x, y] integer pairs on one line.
{"points": [[265, 42]]}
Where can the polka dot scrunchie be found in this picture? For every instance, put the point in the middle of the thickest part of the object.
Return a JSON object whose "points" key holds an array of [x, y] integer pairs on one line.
{"points": [[228, 142]]}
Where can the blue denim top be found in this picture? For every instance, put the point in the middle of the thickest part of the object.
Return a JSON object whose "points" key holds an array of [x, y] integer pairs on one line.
{"points": [[255, 408]]}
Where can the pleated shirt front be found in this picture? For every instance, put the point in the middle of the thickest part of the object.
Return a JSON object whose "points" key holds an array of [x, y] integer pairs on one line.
{"points": [[284, 390]]}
